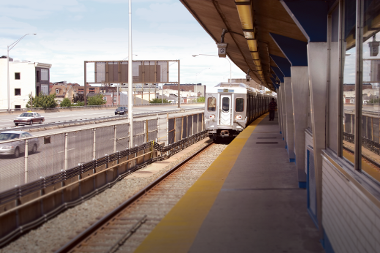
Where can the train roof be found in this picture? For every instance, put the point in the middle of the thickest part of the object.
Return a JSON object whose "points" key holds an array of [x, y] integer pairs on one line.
{"points": [[242, 85], [236, 87]]}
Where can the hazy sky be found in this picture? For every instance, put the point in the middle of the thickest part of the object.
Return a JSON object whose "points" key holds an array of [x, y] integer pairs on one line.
{"points": [[70, 32]]}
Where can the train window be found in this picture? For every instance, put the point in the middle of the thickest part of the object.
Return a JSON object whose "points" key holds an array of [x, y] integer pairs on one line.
{"points": [[211, 104], [239, 104], [226, 104]]}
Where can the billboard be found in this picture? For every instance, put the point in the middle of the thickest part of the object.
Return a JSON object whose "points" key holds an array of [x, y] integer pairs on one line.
{"points": [[142, 71]]}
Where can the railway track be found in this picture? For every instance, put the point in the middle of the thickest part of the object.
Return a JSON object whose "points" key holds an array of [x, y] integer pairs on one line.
{"points": [[126, 226]]}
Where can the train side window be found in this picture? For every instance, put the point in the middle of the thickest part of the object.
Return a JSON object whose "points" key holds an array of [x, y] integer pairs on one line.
{"points": [[239, 104], [211, 104]]}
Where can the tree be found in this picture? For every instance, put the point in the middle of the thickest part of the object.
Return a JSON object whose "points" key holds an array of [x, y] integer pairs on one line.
{"points": [[42, 101], [158, 101], [78, 98], [66, 102], [96, 100]]}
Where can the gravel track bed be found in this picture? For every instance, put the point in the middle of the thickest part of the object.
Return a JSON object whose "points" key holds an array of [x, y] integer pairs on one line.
{"points": [[58, 231]]}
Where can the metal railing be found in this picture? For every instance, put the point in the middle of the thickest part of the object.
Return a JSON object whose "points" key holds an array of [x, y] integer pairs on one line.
{"points": [[50, 154]]}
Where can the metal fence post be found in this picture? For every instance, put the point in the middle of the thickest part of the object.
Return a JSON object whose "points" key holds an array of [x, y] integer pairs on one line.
{"points": [[158, 128], [192, 124], [167, 129], [147, 130], [66, 156], [94, 146], [26, 160], [114, 138]]}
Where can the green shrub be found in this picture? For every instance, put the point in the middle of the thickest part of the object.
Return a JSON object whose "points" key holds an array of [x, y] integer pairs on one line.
{"points": [[42, 101], [158, 101], [66, 102], [96, 100], [201, 99]]}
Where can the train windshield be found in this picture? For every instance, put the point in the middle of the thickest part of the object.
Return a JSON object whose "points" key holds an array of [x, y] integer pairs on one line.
{"points": [[211, 104], [226, 104], [239, 104]]}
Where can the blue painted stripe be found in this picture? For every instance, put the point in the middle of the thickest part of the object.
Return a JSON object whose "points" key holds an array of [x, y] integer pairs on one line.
{"points": [[326, 243], [302, 185], [292, 160]]}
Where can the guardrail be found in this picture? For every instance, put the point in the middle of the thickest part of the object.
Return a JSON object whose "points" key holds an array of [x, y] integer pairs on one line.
{"points": [[56, 109], [26, 207], [84, 121]]}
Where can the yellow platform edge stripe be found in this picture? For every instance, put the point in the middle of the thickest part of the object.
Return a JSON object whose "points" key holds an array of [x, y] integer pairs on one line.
{"points": [[177, 230]]}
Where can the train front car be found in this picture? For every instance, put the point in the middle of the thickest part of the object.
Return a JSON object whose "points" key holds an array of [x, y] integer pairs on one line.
{"points": [[226, 108]]}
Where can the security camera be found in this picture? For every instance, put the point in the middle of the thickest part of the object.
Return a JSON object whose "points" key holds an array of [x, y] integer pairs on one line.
{"points": [[247, 77]]}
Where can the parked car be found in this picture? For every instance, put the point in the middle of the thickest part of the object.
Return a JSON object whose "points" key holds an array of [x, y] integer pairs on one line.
{"points": [[17, 146], [121, 110], [29, 118]]}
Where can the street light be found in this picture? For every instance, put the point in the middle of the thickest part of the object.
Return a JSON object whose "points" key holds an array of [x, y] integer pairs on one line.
{"points": [[195, 55], [9, 48]]}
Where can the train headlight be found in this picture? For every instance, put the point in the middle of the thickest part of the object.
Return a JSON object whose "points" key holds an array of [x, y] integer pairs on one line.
{"points": [[212, 116], [238, 117]]}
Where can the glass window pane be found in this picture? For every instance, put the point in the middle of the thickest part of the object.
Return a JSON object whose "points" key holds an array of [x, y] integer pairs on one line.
{"points": [[370, 91], [225, 104], [239, 104], [211, 104], [349, 74]]}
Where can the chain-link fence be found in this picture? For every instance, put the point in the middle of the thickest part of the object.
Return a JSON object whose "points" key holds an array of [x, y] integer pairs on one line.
{"points": [[51, 154], [185, 126]]}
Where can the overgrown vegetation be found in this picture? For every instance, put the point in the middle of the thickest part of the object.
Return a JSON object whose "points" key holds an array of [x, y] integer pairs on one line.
{"points": [[42, 101], [158, 101]]}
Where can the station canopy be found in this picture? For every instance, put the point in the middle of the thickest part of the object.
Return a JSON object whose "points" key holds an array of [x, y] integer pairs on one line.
{"points": [[250, 24]]}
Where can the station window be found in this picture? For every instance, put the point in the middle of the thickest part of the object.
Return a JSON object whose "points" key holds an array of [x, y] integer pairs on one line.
{"points": [[239, 104], [361, 75], [349, 76], [17, 92], [17, 76], [211, 104]]}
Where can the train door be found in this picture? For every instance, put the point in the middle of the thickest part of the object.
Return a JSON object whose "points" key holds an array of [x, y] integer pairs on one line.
{"points": [[225, 110]]}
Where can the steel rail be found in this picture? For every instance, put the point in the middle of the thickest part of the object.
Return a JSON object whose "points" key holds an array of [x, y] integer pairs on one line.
{"points": [[93, 228]]}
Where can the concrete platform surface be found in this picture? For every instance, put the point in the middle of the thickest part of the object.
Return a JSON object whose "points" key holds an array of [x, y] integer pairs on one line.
{"points": [[247, 201]]}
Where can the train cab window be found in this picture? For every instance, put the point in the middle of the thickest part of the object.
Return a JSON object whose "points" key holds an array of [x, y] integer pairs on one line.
{"points": [[211, 104], [239, 104], [226, 104]]}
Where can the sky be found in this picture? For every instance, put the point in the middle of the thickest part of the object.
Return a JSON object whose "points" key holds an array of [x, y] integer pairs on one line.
{"points": [[70, 32]]}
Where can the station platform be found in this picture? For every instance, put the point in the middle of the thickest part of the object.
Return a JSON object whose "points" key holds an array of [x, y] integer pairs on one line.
{"points": [[248, 200]]}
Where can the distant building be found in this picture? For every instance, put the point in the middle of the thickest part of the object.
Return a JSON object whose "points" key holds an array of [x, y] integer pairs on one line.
{"points": [[26, 78], [198, 88], [351, 86]]}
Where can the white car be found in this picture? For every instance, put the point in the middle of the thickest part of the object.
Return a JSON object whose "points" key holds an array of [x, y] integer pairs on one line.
{"points": [[17, 146]]}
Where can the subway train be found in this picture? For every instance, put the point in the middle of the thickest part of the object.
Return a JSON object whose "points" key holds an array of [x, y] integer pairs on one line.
{"points": [[230, 107]]}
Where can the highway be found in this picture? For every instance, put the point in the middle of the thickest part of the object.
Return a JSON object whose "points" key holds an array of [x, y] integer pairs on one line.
{"points": [[49, 159], [6, 120]]}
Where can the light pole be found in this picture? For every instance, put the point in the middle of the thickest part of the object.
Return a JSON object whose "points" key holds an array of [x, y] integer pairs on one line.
{"points": [[130, 80], [9, 48], [195, 55]]}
